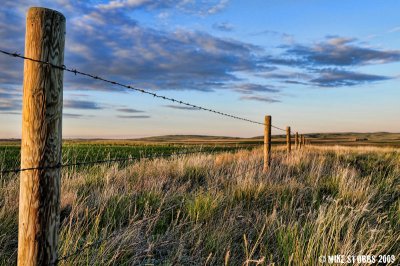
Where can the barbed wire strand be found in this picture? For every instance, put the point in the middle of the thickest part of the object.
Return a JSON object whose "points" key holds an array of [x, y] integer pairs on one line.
{"points": [[77, 72]]}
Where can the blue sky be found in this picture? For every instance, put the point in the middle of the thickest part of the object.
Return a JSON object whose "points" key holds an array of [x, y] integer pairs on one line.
{"points": [[318, 66]]}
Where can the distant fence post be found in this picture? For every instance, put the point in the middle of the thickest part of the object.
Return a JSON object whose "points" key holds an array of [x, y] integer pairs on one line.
{"points": [[296, 140], [267, 142], [303, 140], [288, 140], [41, 138]]}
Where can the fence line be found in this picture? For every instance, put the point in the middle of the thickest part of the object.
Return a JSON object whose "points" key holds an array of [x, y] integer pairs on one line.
{"points": [[42, 135]]}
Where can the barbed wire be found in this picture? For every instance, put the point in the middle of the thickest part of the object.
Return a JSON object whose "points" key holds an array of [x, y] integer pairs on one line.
{"points": [[153, 156], [77, 72]]}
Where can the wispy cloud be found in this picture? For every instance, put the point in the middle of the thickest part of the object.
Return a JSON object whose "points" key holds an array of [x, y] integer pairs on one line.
{"points": [[68, 115], [10, 113], [334, 51], [250, 88], [199, 7], [285, 37], [82, 104], [395, 29], [133, 116], [338, 77], [180, 107], [219, 6], [327, 77], [129, 110], [223, 26], [10, 100], [259, 98]]}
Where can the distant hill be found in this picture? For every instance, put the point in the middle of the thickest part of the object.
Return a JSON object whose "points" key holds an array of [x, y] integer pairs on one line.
{"points": [[187, 137], [334, 138]]}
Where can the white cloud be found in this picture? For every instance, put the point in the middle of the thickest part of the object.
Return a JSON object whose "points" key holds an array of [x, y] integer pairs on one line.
{"points": [[395, 29]]}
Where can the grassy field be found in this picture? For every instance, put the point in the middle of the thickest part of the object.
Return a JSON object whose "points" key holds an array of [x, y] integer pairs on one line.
{"points": [[94, 150], [221, 209]]}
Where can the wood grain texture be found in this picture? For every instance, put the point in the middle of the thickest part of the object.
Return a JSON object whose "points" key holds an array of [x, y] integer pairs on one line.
{"points": [[288, 140], [41, 138], [296, 140], [267, 142]]}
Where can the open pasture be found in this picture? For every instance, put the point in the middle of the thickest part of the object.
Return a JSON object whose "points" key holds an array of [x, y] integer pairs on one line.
{"points": [[221, 209]]}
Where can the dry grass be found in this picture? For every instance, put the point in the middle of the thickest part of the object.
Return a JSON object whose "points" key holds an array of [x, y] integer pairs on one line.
{"points": [[222, 210]]}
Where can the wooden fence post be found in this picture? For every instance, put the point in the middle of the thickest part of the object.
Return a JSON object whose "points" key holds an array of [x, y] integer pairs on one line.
{"points": [[303, 140], [288, 140], [41, 138], [267, 142], [296, 140]]}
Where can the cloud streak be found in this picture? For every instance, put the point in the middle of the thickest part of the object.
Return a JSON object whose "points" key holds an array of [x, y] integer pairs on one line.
{"points": [[337, 78], [129, 110], [82, 104], [203, 8], [179, 107], [10, 101], [334, 51], [250, 88], [223, 26], [133, 116], [260, 98]]}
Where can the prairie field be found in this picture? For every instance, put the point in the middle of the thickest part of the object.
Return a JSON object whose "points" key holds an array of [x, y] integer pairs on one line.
{"points": [[222, 209]]}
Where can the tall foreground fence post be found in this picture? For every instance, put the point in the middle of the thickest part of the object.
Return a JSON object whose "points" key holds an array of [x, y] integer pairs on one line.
{"points": [[41, 138], [267, 142], [288, 140], [296, 140]]}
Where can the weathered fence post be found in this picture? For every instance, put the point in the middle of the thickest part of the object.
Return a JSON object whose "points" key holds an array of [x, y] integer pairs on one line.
{"points": [[41, 138], [288, 140], [296, 140], [300, 141], [303, 140], [267, 142]]}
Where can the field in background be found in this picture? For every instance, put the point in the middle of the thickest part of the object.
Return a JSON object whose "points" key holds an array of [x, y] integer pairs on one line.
{"points": [[216, 209], [348, 139], [75, 151]]}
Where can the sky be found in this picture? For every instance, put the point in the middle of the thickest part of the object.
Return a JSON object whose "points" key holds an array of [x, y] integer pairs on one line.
{"points": [[314, 65]]}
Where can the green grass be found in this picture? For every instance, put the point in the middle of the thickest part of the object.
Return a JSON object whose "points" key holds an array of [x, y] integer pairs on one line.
{"points": [[86, 152], [208, 210]]}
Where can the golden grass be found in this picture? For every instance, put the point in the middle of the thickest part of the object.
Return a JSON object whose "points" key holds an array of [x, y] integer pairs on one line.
{"points": [[223, 210]]}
